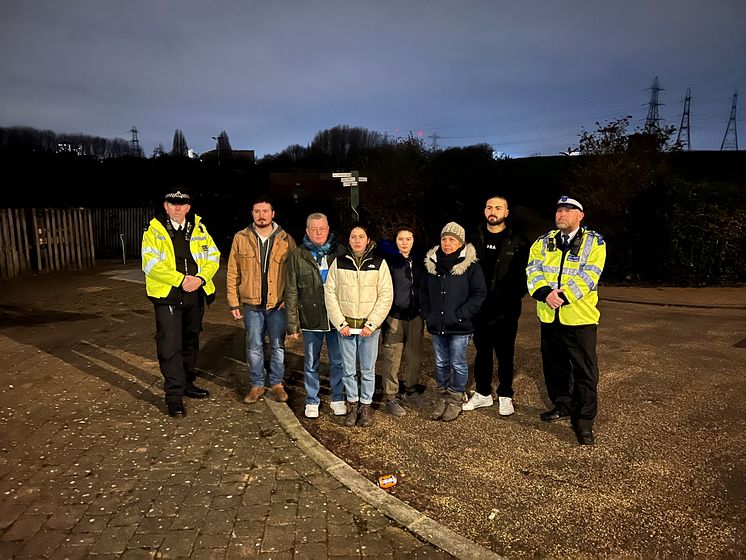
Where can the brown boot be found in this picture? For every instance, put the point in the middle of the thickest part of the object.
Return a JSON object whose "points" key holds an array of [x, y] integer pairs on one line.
{"points": [[365, 416], [279, 392], [352, 412], [453, 406], [254, 394], [440, 405]]}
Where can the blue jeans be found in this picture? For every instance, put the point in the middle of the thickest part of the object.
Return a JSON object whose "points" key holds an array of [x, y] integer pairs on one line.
{"points": [[312, 342], [451, 368], [365, 349], [256, 322]]}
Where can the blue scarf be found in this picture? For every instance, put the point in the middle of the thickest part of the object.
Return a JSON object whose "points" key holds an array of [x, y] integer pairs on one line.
{"points": [[319, 251]]}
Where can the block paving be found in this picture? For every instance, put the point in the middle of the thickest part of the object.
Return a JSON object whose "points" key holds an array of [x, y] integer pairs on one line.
{"points": [[92, 467]]}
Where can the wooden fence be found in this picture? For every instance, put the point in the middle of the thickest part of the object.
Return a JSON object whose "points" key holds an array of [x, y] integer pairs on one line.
{"points": [[15, 256], [45, 239], [118, 231]]}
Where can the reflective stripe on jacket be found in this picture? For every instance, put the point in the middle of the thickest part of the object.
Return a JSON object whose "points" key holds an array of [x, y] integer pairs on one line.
{"points": [[577, 271], [159, 261]]}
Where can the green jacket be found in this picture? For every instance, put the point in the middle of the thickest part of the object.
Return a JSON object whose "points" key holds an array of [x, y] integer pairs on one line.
{"points": [[304, 290], [576, 271], [159, 262]]}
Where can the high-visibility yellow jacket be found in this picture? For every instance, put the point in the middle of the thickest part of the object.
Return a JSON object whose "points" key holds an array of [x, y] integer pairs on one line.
{"points": [[159, 261], [576, 271]]}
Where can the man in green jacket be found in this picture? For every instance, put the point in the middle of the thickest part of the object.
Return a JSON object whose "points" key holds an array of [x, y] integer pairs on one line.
{"points": [[179, 259], [306, 270]]}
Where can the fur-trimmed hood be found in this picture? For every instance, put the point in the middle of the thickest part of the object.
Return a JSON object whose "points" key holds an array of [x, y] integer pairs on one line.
{"points": [[467, 257]]}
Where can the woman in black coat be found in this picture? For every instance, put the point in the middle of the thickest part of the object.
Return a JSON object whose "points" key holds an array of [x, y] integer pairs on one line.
{"points": [[402, 333], [451, 293]]}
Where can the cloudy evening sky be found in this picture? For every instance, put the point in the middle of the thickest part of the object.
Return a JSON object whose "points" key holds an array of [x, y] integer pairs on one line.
{"points": [[523, 76]]}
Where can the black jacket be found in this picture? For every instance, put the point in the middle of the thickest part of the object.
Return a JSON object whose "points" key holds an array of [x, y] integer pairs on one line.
{"points": [[304, 291], [449, 301], [507, 286], [406, 275]]}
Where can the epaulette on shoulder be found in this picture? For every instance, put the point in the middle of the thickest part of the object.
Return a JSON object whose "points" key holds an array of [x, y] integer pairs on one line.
{"points": [[550, 233], [598, 236]]}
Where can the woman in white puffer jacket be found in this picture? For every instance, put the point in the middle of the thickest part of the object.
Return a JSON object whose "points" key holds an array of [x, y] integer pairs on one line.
{"points": [[358, 293]]}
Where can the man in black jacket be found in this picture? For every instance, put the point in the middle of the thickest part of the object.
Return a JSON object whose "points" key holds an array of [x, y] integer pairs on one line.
{"points": [[503, 255], [306, 269]]}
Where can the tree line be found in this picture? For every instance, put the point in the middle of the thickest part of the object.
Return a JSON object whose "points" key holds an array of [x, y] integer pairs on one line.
{"points": [[669, 216], [27, 139]]}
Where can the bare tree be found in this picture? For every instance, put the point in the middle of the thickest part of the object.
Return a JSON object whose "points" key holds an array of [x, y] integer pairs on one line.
{"points": [[179, 146], [342, 141], [615, 172], [224, 145]]}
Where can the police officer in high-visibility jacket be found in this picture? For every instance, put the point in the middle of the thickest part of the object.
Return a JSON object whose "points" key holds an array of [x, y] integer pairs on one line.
{"points": [[179, 259], [564, 267]]}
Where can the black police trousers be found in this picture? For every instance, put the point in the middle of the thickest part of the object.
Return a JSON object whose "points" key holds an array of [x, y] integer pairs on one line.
{"points": [[177, 344], [570, 363]]}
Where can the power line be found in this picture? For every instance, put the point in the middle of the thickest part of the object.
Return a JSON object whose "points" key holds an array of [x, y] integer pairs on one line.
{"points": [[730, 140], [651, 121], [684, 129], [569, 122]]}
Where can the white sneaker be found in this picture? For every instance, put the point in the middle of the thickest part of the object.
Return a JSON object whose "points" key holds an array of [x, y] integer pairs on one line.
{"points": [[477, 401], [505, 406], [312, 411], [338, 407]]}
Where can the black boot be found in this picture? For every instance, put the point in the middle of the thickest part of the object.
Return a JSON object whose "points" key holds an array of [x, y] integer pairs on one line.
{"points": [[353, 409], [365, 417], [194, 392], [176, 409]]}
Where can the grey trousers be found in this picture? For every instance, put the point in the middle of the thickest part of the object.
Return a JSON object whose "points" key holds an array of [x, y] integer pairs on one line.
{"points": [[401, 337]]}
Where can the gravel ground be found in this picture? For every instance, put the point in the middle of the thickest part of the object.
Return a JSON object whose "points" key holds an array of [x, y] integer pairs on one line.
{"points": [[665, 479]]}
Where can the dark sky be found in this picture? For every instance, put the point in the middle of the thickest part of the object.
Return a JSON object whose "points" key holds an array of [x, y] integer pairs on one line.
{"points": [[523, 76]]}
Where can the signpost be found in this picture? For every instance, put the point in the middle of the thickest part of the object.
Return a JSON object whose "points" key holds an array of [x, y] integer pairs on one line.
{"points": [[352, 179]]}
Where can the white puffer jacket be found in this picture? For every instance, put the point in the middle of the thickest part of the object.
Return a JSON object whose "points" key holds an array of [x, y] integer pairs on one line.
{"points": [[358, 296]]}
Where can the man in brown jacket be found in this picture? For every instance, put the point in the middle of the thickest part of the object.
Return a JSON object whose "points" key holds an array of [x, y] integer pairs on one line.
{"points": [[256, 282]]}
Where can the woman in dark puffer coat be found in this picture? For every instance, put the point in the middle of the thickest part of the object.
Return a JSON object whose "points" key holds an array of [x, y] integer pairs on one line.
{"points": [[451, 293]]}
